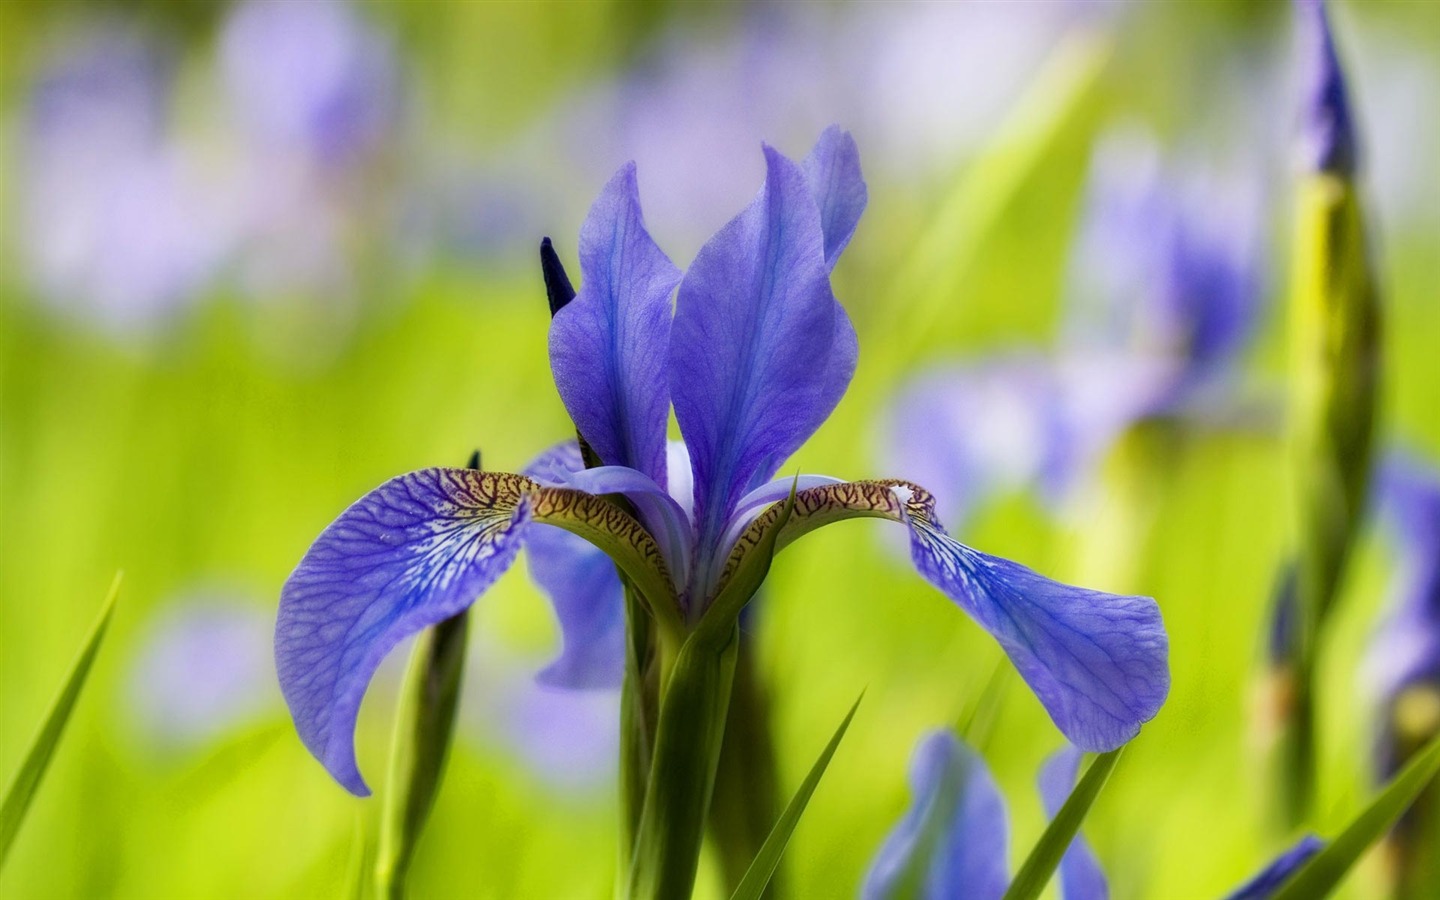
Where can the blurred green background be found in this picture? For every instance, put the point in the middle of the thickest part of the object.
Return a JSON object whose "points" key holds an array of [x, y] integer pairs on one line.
{"points": [[251, 270]]}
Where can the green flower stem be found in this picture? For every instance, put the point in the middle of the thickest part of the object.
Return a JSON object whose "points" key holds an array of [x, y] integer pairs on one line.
{"points": [[423, 728], [746, 804], [1335, 325], [691, 728], [639, 716]]}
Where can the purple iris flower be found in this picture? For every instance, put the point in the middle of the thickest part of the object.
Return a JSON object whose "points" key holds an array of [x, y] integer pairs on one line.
{"points": [[568, 738], [1165, 273], [952, 841], [113, 227], [1273, 877], [754, 355], [974, 431], [310, 77], [1405, 653], [1164, 294]]}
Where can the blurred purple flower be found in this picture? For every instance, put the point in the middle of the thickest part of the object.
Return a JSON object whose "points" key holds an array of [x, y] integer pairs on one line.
{"points": [[114, 229], [569, 738], [1166, 271], [1405, 652], [310, 77], [1273, 877], [1164, 293], [953, 840], [981, 430], [203, 671], [315, 97]]}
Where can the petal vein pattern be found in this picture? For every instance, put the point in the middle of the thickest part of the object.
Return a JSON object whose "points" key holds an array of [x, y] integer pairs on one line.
{"points": [[751, 344], [1098, 662], [609, 346], [416, 550]]}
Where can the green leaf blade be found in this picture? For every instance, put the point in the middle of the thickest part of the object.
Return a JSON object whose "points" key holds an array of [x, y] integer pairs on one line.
{"points": [[762, 869], [1324, 872], [1045, 856], [688, 737], [27, 779], [424, 726]]}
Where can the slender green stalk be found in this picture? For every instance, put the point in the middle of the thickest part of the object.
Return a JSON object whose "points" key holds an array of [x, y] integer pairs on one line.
{"points": [[682, 774], [639, 716], [1336, 362], [1325, 871], [759, 876], [1410, 847], [1045, 857], [424, 725], [26, 782], [746, 805]]}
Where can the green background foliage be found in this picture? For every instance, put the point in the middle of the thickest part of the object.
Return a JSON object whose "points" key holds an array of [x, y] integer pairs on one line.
{"points": [[213, 451]]}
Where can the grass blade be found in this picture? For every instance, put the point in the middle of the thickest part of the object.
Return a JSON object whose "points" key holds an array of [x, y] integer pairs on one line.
{"points": [[22, 788], [1324, 871], [1045, 857], [757, 877]]}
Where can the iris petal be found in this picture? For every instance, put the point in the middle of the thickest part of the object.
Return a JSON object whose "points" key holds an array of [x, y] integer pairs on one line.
{"points": [[582, 585], [554, 467], [667, 520], [416, 550], [1272, 877], [589, 602], [1080, 874], [608, 347], [832, 172], [751, 368], [952, 841], [1098, 662]]}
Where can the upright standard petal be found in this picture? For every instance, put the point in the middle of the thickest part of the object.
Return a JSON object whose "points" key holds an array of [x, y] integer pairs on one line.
{"points": [[1272, 877], [952, 841], [608, 347], [751, 368], [832, 171], [1080, 874], [418, 549], [1098, 662]]}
